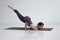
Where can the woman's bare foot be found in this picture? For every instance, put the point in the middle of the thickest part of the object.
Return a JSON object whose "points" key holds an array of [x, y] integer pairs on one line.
{"points": [[11, 7]]}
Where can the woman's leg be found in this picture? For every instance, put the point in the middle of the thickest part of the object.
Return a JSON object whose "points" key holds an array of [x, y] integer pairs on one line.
{"points": [[19, 16]]}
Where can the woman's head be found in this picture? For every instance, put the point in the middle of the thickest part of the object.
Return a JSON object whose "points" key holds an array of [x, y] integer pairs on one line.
{"points": [[40, 25]]}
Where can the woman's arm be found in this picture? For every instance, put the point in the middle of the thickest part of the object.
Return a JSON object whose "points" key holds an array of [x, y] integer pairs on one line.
{"points": [[33, 27], [26, 24]]}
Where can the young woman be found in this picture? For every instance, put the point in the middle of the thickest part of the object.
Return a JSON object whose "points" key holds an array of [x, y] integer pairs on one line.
{"points": [[27, 20]]}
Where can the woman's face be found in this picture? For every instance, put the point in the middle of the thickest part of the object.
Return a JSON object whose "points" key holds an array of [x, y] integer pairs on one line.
{"points": [[40, 26]]}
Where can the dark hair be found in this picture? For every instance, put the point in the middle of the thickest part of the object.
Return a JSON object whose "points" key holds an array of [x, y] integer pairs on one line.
{"points": [[40, 23]]}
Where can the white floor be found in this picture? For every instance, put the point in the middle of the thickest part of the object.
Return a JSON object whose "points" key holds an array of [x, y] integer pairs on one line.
{"points": [[30, 35]]}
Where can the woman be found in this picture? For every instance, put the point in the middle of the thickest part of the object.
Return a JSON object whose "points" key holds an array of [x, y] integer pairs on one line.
{"points": [[27, 20]]}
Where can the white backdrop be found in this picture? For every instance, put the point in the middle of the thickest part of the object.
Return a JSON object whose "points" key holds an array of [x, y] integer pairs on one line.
{"points": [[46, 11]]}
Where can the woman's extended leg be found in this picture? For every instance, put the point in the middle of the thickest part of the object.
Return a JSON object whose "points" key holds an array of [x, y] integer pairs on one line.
{"points": [[18, 14], [21, 17]]}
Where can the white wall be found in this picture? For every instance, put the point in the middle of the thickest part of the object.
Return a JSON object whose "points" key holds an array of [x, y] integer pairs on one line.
{"points": [[46, 11]]}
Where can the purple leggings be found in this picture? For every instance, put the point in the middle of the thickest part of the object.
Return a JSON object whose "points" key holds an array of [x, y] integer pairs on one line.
{"points": [[22, 18]]}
